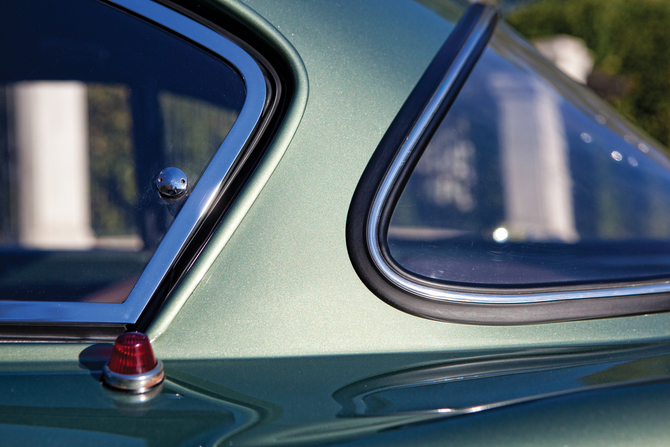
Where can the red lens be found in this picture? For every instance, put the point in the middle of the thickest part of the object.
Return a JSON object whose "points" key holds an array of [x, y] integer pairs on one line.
{"points": [[132, 354]]}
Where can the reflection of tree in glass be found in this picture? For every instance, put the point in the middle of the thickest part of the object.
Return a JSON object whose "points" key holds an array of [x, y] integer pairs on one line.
{"points": [[193, 131], [630, 41], [113, 189], [449, 173]]}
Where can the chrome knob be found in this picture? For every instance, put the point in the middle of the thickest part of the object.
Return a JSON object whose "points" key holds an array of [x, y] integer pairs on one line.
{"points": [[171, 183]]}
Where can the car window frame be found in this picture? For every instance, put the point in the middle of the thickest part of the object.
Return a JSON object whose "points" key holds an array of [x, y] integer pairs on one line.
{"points": [[201, 200], [385, 177]]}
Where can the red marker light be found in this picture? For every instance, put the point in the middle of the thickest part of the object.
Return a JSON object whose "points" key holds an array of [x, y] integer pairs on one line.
{"points": [[133, 366], [132, 354]]}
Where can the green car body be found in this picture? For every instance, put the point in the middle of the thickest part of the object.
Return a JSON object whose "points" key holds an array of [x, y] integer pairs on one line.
{"points": [[272, 338]]}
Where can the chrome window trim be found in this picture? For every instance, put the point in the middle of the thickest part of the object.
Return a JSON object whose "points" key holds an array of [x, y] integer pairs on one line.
{"points": [[196, 206], [443, 294]]}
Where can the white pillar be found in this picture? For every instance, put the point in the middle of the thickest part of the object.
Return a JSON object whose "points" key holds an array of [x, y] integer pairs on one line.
{"points": [[535, 161], [54, 203]]}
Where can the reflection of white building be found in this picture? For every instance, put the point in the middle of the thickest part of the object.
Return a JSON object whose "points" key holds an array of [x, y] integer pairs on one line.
{"points": [[535, 160], [570, 55], [51, 132]]}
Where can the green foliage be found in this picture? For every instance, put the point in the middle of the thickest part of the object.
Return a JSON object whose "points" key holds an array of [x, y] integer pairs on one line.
{"points": [[629, 39], [113, 187], [192, 130]]}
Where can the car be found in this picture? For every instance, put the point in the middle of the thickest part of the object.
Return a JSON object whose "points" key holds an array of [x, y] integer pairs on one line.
{"points": [[337, 223]]}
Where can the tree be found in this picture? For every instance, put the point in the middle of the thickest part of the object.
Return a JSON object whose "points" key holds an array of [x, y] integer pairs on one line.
{"points": [[631, 44]]}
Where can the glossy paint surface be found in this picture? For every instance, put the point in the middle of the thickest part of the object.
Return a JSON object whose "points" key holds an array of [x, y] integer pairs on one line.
{"points": [[584, 395], [271, 334], [283, 285], [276, 279]]}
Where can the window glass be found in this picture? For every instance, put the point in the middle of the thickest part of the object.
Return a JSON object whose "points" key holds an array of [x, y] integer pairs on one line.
{"points": [[532, 181], [94, 103]]}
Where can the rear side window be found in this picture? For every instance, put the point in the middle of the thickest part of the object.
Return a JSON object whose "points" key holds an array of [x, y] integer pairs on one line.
{"points": [[530, 181], [504, 193], [95, 103]]}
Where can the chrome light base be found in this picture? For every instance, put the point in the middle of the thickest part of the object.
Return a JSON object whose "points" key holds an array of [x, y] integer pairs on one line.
{"points": [[134, 383]]}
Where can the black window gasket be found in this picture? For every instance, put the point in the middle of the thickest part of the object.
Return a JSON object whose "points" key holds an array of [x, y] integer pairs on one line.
{"points": [[385, 177]]}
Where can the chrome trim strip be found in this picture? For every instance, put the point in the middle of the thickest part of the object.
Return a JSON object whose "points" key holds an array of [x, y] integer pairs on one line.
{"points": [[466, 52], [196, 206]]}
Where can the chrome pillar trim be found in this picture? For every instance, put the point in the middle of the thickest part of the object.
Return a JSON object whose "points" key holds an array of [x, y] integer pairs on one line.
{"points": [[197, 205], [467, 52], [134, 383]]}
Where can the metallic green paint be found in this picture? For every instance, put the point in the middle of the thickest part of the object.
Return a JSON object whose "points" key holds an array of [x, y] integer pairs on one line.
{"points": [[283, 284], [263, 172], [508, 397], [273, 325]]}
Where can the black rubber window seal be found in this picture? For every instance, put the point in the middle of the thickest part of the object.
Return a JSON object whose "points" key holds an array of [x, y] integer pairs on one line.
{"points": [[361, 222]]}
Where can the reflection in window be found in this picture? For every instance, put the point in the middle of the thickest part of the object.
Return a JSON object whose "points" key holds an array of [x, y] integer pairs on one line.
{"points": [[192, 127], [87, 120], [530, 180], [111, 149]]}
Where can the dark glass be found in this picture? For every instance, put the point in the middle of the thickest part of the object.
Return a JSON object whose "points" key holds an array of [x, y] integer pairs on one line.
{"points": [[94, 103], [532, 181]]}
